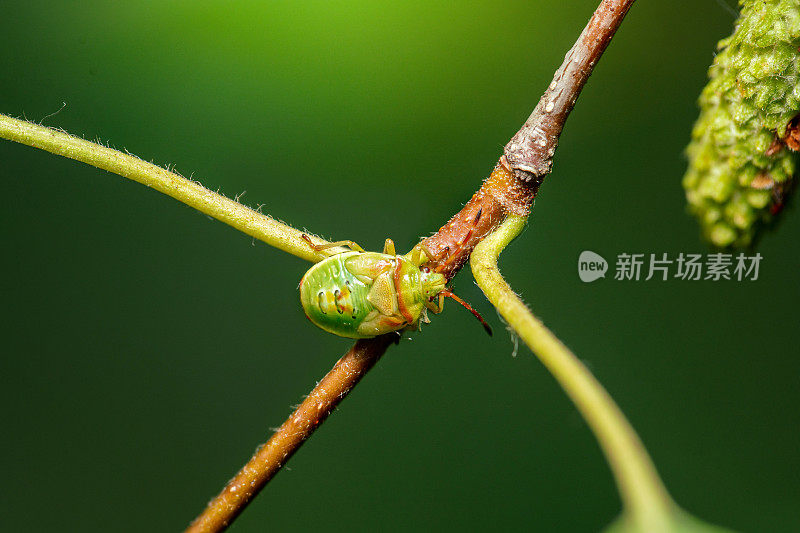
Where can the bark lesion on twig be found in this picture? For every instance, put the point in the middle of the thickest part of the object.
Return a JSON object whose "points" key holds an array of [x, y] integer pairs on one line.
{"points": [[530, 152]]}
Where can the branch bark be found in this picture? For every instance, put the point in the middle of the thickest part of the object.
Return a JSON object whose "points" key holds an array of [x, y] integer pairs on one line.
{"points": [[528, 156], [312, 412], [530, 152]]}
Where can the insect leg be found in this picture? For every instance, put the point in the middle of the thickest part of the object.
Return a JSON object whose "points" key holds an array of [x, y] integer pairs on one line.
{"points": [[320, 247], [421, 254], [416, 255], [388, 247], [436, 308]]}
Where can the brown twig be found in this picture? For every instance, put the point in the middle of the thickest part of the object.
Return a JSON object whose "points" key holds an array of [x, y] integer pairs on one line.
{"points": [[528, 156], [530, 151], [500, 194], [269, 459], [510, 189]]}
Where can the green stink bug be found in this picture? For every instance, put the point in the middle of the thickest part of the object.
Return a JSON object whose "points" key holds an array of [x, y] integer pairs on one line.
{"points": [[360, 294]]}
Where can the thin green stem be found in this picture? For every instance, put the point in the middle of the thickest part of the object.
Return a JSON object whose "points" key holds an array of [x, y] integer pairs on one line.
{"points": [[646, 501], [190, 192]]}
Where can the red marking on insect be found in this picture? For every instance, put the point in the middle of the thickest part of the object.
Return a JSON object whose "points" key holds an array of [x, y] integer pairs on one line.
{"points": [[401, 304], [343, 304]]}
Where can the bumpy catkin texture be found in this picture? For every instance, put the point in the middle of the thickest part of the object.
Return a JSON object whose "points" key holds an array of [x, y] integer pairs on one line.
{"points": [[741, 163]]}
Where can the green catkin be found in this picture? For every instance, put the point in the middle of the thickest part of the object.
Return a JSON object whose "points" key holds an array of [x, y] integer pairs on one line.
{"points": [[739, 169]]}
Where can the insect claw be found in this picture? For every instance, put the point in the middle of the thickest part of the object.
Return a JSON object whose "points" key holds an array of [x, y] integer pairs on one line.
{"points": [[424, 317]]}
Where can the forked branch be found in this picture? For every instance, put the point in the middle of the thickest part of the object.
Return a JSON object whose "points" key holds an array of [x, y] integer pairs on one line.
{"points": [[509, 190]]}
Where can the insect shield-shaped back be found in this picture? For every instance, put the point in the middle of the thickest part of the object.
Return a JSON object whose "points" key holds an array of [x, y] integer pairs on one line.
{"points": [[364, 294]]}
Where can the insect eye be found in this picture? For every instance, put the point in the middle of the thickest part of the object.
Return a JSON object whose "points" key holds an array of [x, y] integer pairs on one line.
{"points": [[425, 269]]}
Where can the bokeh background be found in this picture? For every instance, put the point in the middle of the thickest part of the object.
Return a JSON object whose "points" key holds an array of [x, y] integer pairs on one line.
{"points": [[147, 349]]}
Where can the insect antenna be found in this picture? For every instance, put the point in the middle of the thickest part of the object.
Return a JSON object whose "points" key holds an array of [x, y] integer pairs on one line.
{"points": [[449, 294]]}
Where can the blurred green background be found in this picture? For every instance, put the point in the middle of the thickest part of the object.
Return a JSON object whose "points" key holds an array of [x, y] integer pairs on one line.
{"points": [[149, 349]]}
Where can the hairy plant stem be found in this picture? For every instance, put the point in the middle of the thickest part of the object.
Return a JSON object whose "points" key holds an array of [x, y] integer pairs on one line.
{"points": [[190, 192], [646, 501]]}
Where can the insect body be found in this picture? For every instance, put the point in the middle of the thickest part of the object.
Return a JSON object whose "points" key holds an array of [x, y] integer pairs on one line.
{"points": [[364, 294], [360, 294]]}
